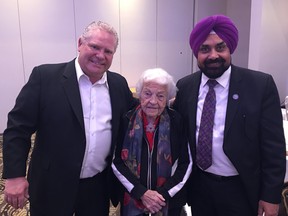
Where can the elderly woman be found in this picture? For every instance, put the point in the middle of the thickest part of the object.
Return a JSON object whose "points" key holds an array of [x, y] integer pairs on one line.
{"points": [[153, 161]]}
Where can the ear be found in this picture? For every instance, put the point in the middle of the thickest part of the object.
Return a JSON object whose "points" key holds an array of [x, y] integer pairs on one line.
{"points": [[80, 42]]}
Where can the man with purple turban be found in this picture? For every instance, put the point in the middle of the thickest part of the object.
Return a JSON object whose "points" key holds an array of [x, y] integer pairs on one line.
{"points": [[235, 133]]}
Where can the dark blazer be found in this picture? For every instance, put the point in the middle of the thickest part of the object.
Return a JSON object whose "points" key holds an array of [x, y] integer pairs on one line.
{"points": [[50, 105], [253, 137], [179, 152]]}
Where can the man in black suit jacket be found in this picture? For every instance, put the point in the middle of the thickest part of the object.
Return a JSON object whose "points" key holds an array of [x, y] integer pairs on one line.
{"points": [[75, 109], [248, 146]]}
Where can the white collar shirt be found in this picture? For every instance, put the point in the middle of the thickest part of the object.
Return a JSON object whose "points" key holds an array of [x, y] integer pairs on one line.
{"points": [[97, 113], [221, 165]]}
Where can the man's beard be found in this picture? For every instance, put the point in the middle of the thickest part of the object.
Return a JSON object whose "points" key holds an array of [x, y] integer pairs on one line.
{"points": [[214, 72]]}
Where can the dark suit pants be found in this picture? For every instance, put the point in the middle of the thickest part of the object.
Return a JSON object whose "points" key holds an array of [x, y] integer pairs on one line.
{"points": [[93, 198], [218, 196]]}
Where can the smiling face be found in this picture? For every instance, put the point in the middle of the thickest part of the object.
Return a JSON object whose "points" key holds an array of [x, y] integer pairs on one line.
{"points": [[153, 99], [214, 57], [96, 53]]}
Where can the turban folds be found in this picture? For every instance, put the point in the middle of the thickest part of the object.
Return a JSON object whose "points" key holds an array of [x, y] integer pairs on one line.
{"points": [[221, 25]]}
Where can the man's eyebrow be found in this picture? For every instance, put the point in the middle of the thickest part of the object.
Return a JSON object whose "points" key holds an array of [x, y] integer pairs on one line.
{"points": [[221, 43]]}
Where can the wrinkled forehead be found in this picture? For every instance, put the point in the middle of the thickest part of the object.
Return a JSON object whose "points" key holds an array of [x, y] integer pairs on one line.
{"points": [[155, 86]]}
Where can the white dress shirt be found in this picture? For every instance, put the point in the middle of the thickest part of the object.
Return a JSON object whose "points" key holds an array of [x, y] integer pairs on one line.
{"points": [[97, 115], [221, 165]]}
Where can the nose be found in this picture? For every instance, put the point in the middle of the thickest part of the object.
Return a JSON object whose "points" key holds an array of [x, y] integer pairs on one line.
{"points": [[100, 54], [213, 54], [153, 99]]}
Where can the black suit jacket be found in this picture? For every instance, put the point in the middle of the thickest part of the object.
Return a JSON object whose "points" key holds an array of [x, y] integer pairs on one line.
{"points": [[253, 137], [50, 105]]}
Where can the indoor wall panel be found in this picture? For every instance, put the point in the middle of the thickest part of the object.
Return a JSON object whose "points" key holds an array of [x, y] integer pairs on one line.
{"points": [[174, 24], [48, 32], [138, 37], [12, 74], [240, 13], [273, 45]]}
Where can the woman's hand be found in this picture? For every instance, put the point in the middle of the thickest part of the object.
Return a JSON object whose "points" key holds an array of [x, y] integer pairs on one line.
{"points": [[153, 201]]}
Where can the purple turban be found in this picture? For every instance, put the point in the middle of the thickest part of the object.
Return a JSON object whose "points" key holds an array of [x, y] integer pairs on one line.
{"points": [[221, 25]]}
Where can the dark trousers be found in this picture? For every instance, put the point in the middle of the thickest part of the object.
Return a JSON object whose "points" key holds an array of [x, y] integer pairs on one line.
{"points": [[217, 196], [93, 198]]}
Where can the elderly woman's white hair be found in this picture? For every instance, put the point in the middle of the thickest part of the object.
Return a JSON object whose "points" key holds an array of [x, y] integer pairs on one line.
{"points": [[160, 76]]}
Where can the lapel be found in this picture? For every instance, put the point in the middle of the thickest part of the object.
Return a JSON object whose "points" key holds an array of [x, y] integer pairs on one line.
{"points": [[71, 88], [193, 98], [115, 99], [234, 97], [192, 108]]}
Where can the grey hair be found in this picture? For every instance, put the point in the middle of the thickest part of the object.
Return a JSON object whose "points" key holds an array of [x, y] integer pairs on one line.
{"points": [[102, 26], [160, 76]]}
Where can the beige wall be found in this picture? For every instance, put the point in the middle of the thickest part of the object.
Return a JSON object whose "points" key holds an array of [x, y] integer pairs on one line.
{"points": [[271, 42], [153, 33]]}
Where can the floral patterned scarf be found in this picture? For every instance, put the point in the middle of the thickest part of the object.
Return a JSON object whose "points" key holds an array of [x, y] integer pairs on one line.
{"points": [[131, 155]]}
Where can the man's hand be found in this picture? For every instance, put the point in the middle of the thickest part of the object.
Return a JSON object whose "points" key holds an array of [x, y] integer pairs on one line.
{"points": [[16, 192], [153, 201], [267, 209]]}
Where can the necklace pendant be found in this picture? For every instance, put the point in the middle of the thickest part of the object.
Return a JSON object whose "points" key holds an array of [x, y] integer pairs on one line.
{"points": [[150, 127]]}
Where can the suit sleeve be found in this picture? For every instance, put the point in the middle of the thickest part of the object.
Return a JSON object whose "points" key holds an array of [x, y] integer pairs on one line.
{"points": [[22, 123], [131, 183], [272, 145]]}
